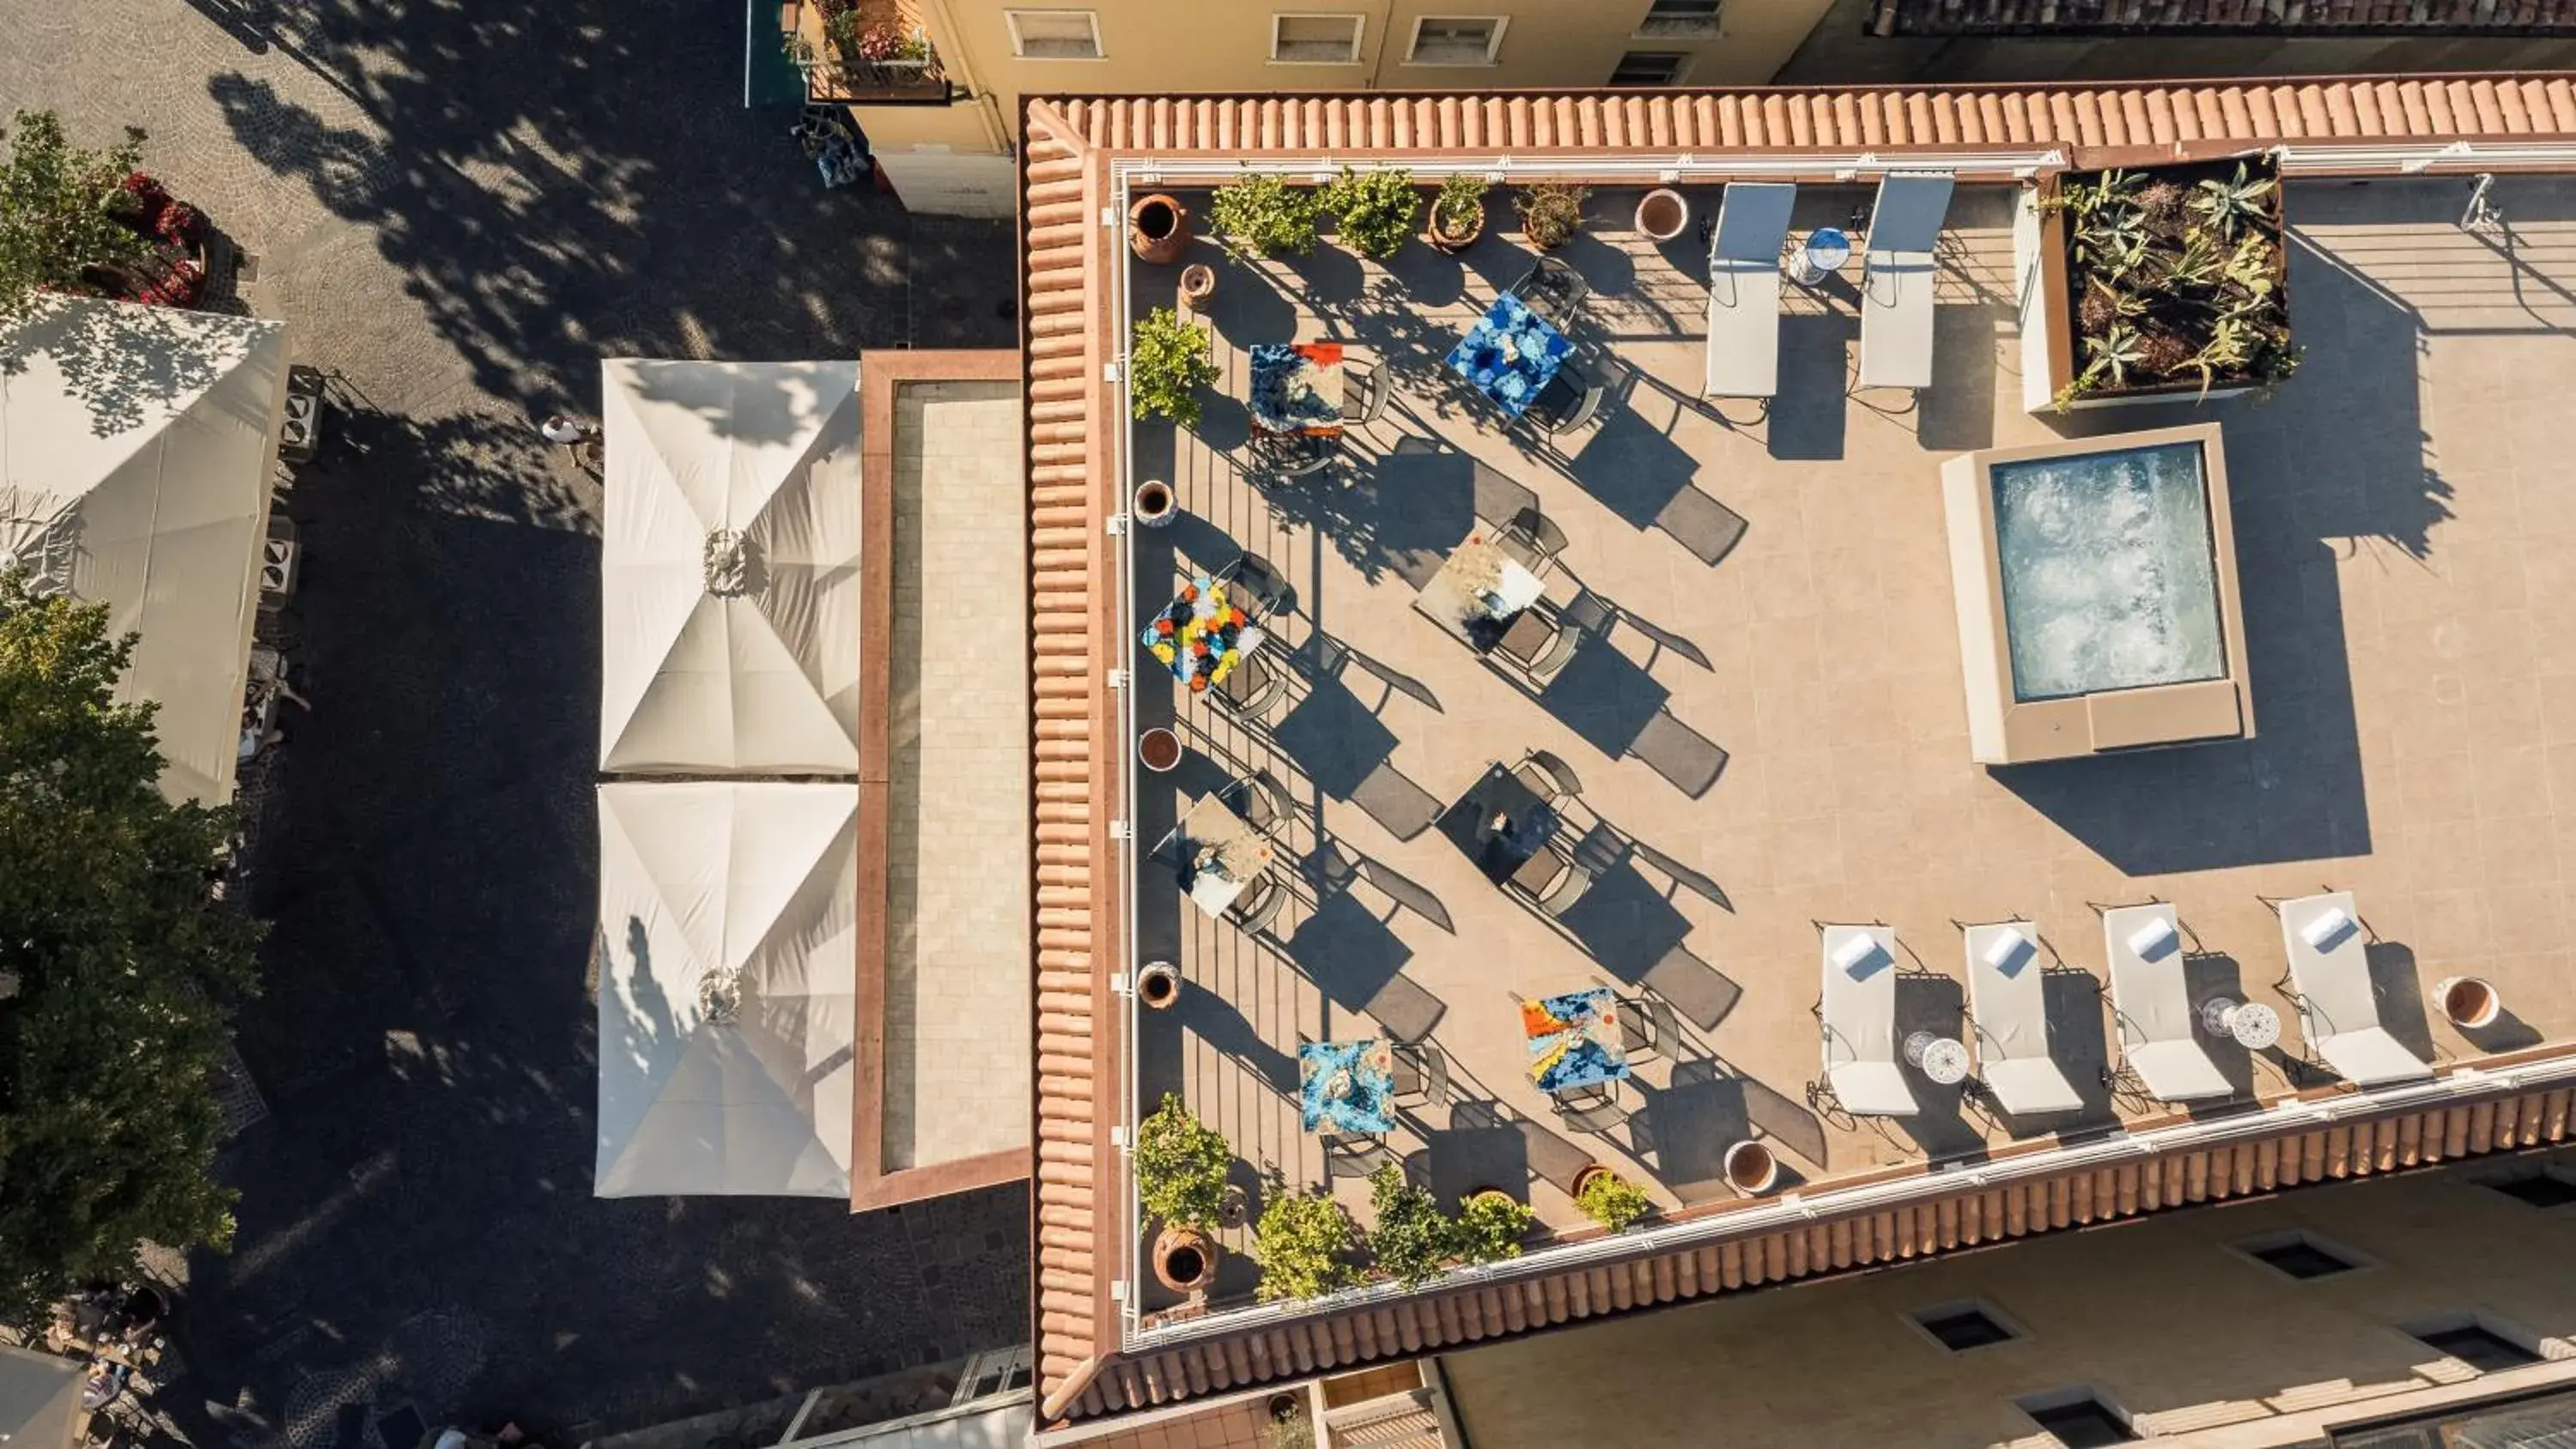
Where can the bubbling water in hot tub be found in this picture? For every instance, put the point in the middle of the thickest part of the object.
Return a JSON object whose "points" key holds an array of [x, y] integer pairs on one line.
{"points": [[2109, 580]]}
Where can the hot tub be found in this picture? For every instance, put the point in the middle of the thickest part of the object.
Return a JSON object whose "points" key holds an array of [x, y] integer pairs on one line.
{"points": [[2096, 585]]}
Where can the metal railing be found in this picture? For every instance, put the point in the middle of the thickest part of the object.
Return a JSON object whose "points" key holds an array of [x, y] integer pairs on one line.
{"points": [[836, 70]]}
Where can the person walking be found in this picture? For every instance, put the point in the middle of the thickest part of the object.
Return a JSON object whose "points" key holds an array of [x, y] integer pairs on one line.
{"points": [[579, 434]]}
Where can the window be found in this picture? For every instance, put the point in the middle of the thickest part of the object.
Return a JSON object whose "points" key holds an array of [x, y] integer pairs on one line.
{"points": [[2078, 1418], [2472, 1343], [1650, 68], [1680, 17], [1455, 40], [1959, 1327], [1315, 39], [2299, 1255], [1054, 34], [2542, 1189]]}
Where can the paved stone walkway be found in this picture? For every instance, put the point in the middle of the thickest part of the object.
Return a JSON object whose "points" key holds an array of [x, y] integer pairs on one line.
{"points": [[461, 207]]}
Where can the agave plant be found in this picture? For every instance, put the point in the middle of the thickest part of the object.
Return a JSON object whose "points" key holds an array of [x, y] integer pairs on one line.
{"points": [[2112, 243], [2198, 265], [2127, 306], [2110, 356], [2231, 203]]}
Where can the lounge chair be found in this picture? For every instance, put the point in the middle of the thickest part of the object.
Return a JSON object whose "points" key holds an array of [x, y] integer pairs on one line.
{"points": [[2330, 981], [2157, 1042], [2009, 1008], [1858, 1015], [1744, 289], [1896, 279]]}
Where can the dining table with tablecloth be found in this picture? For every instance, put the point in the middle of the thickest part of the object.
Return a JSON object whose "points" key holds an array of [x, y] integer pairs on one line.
{"points": [[1510, 355]]}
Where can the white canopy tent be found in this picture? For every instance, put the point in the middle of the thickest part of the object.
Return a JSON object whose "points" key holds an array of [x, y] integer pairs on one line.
{"points": [[728, 961], [730, 568], [40, 1399], [136, 448]]}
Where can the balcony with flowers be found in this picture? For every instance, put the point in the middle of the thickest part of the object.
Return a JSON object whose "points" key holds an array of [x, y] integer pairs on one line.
{"points": [[864, 52]]}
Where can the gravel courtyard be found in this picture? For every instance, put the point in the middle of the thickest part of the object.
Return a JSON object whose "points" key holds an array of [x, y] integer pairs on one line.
{"points": [[461, 208]]}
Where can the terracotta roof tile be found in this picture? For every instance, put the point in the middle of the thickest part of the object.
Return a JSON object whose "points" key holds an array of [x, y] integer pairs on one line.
{"points": [[1073, 431]]}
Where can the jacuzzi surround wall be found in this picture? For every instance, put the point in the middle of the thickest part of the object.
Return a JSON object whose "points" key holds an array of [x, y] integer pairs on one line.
{"points": [[2004, 729]]}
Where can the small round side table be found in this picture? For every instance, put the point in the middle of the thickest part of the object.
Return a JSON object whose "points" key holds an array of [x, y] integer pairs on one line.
{"points": [[2253, 1025], [1821, 255], [1941, 1060]]}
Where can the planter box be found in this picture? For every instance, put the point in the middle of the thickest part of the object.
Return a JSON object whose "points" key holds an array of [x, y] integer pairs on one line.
{"points": [[2050, 289]]}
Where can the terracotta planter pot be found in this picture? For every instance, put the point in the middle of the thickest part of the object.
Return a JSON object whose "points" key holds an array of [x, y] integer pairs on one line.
{"points": [[1586, 1177], [1285, 1407], [1751, 1168], [1198, 283], [2469, 1002], [1662, 214], [1457, 241], [1158, 985], [1184, 1259], [1154, 504], [1158, 750], [1158, 228]]}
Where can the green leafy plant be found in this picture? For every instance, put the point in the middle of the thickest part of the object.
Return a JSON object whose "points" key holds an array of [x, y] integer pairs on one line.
{"points": [[1376, 208], [1411, 1238], [1266, 215], [1551, 211], [2230, 203], [1611, 1200], [1491, 1226], [1302, 1244], [2198, 266], [59, 209], [1181, 1165], [1168, 361], [2254, 265], [2230, 348], [1297, 1432], [1460, 206]]}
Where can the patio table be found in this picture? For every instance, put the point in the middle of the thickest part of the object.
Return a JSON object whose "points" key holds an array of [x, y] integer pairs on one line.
{"points": [[1511, 354], [1348, 1086], [1202, 635], [1574, 1040], [1478, 592], [1220, 853], [1296, 387], [1501, 823]]}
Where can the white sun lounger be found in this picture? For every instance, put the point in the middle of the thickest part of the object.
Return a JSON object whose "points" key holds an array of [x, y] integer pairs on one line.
{"points": [[2158, 1043], [2010, 1010], [1859, 1011], [1896, 279], [1744, 289], [2338, 1013]]}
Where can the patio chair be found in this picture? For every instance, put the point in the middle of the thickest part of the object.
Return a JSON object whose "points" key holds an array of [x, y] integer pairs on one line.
{"points": [[1254, 910], [2329, 980], [1744, 289], [1539, 643], [2008, 1008], [1532, 540], [1365, 402], [1294, 455], [1567, 402], [1552, 289], [1548, 777], [1422, 1073], [2158, 1047], [1259, 800], [1253, 688], [1348, 1154], [1647, 1027], [1550, 881], [1856, 1013], [1896, 279], [1254, 579]]}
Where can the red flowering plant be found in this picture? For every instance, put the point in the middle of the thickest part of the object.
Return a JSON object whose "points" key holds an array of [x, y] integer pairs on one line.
{"points": [[180, 224]]}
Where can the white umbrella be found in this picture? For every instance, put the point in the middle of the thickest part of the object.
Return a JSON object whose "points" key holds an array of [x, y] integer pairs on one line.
{"points": [[728, 919], [40, 1399], [730, 568]]}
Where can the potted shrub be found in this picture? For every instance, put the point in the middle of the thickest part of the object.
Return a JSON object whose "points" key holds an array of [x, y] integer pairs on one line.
{"points": [[2161, 283], [1411, 1238], [1167, 363], [1180, 1166], [1158, 228], [1609, 1199], [1376, 209], [1551, 211], [1458, 212], [1491, 1226], [1265, 214], [1302, 1244]]}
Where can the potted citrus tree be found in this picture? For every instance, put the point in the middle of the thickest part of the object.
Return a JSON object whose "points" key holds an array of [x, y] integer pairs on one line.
{"points": [[1264, 214], [1491, 1226], [1181, 1164], [1551, 211], [1376, 209], [1609, 1199], [1168, 362], [1303, 1244], [1458, 212]]}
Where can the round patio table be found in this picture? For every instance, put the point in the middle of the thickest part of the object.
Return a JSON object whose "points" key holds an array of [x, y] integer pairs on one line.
{"points": [[1940, 1059], [1820, 256], [2253, 1025]]}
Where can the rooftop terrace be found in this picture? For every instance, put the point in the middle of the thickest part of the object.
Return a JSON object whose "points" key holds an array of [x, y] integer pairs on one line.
{"points": [[1769, 729]]}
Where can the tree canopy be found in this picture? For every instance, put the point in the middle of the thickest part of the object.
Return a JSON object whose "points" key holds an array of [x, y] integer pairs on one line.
{"points": [[57, 208], [117, 968]]}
